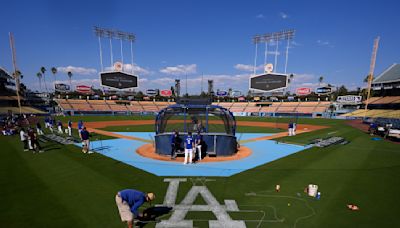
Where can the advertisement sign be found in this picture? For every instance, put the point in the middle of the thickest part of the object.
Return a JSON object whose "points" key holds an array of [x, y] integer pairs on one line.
{"points": [[303, 91], [273, 99], [222, 93], [349, 99], [151, 92], [118, 80], [268, 82], [83, 89], [166, 93], [324, 90], [60, 87], [278, 94], [236, 93]]}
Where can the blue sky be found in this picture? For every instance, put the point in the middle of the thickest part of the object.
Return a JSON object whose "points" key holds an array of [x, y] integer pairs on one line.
{"points": [[211, 38]]}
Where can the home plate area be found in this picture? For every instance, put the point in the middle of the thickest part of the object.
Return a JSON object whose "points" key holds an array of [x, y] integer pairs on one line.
{"points": [[124, 150]]}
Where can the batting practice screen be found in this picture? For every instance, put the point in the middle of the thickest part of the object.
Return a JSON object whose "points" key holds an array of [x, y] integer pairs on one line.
{"points": [[118, 80]]}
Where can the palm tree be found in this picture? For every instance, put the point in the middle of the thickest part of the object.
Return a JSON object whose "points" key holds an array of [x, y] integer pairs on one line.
{"points": [[320, 80], [39, 75], [54, 71], [366, 78], [70, 76], [43, 71], [17, 74]]}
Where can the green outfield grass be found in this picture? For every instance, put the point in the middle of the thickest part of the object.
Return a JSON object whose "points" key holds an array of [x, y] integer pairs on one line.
{"points": [[65, 188], [75, 134]]}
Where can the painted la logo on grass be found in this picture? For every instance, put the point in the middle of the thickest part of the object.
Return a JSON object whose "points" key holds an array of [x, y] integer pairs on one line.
{"points": [[177, 218]]}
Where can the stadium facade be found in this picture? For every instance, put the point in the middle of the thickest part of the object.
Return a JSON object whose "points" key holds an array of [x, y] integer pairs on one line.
{"points": [[388, 82]]}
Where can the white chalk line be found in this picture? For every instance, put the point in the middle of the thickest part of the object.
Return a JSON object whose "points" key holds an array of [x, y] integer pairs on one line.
{"points": [[290, 197], [275, 219], [202, 180]]}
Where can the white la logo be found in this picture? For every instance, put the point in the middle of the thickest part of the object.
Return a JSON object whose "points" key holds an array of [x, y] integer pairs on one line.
{"points": [[177, 218]]}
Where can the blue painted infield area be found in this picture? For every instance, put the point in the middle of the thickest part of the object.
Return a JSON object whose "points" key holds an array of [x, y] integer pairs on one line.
{"points": [[262, 152]]}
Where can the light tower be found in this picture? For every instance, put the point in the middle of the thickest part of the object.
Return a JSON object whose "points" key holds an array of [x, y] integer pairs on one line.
{"points": [[114, 34], [116, 76], [274, 38]]}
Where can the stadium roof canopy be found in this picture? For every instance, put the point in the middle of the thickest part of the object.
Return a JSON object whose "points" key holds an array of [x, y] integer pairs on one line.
{"points": [[390, 75], [4, 74]]}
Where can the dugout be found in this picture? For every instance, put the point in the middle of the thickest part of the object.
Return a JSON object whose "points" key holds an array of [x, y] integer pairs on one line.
{"points": [[216, 124]]}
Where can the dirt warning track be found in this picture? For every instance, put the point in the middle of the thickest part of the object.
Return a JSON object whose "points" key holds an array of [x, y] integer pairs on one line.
{"points": [[300, 127]]}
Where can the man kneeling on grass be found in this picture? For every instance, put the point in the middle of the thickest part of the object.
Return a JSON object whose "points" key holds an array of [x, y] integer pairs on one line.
{"points": [[128, 202]]}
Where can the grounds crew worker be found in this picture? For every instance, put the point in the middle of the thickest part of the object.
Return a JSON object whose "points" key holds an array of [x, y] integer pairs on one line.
{"points": [[129, 201]]}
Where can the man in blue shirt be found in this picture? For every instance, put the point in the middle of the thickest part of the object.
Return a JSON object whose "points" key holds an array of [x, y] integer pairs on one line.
{"points": [[128, 202], [189, 144], [51, 124], [59, 127], [199, 141], [173, 144], [80, 126], [85, 140], [39, 128], [372, 128], [46, 122], [290, 128]]}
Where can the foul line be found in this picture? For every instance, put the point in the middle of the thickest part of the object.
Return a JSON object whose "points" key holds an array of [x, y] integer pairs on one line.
{"points": [[274, 136], [112, 134]]}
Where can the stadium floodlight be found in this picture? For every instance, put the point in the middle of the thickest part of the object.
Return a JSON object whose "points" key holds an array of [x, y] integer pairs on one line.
{"points": [[275, 38], [110, 33], [114, 34], [131, 37], [122, 36], [257, 39], [99, 32]]}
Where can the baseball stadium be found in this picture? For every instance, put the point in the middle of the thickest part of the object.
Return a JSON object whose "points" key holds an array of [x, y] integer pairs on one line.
{"points": [[120, 149]]}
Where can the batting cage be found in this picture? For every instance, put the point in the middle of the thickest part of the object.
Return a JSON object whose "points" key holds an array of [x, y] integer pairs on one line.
{"points": [[216, 124], [194, 118]]}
